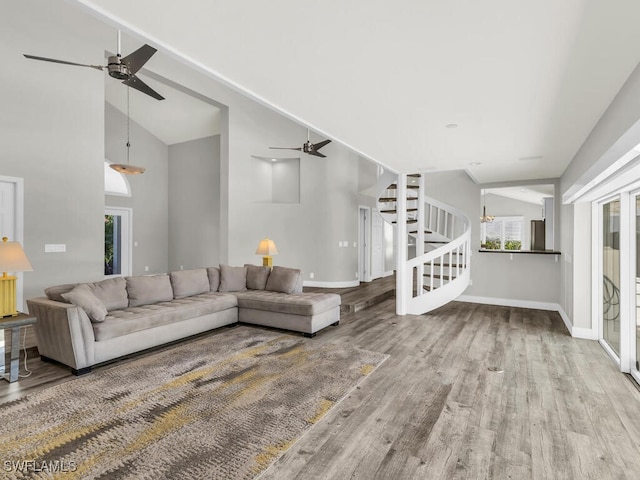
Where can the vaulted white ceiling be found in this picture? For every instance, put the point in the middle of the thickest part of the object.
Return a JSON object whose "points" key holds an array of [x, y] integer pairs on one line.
{"points": [[505, 89]]}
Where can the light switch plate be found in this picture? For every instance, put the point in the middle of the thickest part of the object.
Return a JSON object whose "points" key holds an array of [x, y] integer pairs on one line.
{"points": [[55, 248]]}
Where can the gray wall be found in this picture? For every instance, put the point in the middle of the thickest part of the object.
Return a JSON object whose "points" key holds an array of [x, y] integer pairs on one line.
{"points": [[525, 277], [194, 203], [149, 192], [51, 135], [615, 134]]}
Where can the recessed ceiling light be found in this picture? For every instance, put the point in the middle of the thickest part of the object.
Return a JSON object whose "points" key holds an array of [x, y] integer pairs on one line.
{"points": [[274, 159], [475, 164], [530, 158], [451, 125]]}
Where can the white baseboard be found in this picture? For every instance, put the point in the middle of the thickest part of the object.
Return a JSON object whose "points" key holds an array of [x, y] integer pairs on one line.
{"points": [[584, 333], [350, 283], [576, 332], [388, 274], [507, 302]]}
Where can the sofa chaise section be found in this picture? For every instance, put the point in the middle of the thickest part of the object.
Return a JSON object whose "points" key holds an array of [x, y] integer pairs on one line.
{"points": [[300, 312]]}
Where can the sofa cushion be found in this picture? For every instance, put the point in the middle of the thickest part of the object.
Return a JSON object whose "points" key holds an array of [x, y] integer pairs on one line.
{"points": [[298, 304], [186, 283], [232, 279], [112, 292], [214, 278], [257, 276], [283, 279], [149, 289], [55, 293], [134, 319], [82, 296]]}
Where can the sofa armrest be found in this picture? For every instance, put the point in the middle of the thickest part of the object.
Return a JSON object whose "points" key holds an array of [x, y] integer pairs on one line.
{"points": [[64, 332]]}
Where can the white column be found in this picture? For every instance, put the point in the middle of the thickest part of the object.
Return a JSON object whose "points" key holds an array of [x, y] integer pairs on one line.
{"points": [[401, 242]]}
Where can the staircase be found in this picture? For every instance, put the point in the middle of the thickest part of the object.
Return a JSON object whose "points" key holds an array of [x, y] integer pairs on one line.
{"points": [[432, 244]]}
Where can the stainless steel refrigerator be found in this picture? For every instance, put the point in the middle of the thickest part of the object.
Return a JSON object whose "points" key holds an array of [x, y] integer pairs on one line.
{"points": [[537, 235]]}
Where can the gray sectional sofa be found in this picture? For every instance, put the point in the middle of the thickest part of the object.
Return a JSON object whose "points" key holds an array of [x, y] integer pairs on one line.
{"points": [[82, 325]]}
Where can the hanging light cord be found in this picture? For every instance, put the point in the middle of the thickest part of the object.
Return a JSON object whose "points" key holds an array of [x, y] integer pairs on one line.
{"points": [[128, 143]]}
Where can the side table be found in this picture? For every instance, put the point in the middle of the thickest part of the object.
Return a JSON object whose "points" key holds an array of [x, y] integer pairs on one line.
{"points": [[14, 323]]}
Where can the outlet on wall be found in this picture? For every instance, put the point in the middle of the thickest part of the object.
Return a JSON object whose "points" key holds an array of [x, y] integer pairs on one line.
{"points": [[181, 267], [146, 268], [311, 275]]}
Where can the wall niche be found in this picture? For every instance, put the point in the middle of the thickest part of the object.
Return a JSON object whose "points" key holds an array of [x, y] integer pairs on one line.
{"points": [[277, 179]]}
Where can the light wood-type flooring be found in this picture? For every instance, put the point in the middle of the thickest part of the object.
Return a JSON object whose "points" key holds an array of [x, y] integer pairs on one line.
{"points": [[468, 391]]}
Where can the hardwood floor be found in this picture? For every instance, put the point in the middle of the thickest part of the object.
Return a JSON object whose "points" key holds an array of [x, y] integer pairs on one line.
{"points": [[437, 408]]}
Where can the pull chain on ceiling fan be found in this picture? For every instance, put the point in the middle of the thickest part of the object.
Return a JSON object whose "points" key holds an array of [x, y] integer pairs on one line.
{"points": [[127, 168]]}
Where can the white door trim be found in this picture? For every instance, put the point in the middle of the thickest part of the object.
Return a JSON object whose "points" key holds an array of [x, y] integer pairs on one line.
{"points": [[364, 247], [127, 239], [19, 231]]}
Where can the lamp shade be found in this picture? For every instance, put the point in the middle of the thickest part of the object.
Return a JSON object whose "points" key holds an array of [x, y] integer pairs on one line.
{"points": [[13, 258], [267, 247]]}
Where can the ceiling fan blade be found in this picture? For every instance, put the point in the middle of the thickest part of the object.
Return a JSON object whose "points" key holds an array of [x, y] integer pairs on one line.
{"points": [[318, 146], [286, 148], [135, 82], [53, 60], [317, 154], [137, 59]]}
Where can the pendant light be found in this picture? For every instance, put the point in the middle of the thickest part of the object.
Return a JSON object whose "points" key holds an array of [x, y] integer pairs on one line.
{"points": [[127, 168]]}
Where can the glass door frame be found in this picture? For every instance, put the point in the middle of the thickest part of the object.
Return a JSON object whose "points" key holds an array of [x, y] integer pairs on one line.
{"points": [[626, 357], [633, 307]]}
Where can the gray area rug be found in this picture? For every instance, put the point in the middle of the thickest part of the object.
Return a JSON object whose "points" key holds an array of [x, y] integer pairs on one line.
{"points": [[224, 406]]}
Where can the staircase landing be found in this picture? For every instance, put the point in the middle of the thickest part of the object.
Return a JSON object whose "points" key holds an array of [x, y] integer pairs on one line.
{"points": [[355, 299]]}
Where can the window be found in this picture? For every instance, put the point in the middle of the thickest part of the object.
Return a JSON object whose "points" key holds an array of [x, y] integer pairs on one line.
{"points": [[504, 233], [115, 183]]}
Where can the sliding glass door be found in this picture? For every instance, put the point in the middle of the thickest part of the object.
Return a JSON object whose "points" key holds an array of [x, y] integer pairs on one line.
{"points": [[634, 332], [611, 275]]}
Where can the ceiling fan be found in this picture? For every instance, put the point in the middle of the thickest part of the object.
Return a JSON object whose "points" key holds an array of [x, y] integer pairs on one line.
{"points": [[307, 147], [122, 68]]}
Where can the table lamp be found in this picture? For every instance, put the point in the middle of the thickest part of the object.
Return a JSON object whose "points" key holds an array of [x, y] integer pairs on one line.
{"points": [[12, 259], [267, 248]]}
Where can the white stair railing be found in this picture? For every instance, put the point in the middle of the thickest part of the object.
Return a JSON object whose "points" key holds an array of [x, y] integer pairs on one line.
{"points": [[439, 270]]}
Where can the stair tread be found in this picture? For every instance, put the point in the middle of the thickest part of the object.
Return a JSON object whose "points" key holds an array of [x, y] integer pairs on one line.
{"points": [[414, 175], [408, 221], [394, 199], [396, 211], [415, 232], [393, 186]]}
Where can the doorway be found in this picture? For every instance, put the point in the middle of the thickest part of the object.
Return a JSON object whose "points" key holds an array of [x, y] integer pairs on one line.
{"points": [[118, 241], [11, 221], [364, 248]]}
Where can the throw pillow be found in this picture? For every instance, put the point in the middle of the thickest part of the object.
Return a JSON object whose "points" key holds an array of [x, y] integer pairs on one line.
{"points": [[283, 279], [55, 293], [214, 278], [84, 298], [186, 283], [145, 290], [257, 276], [233, 279], [112, 292]]}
